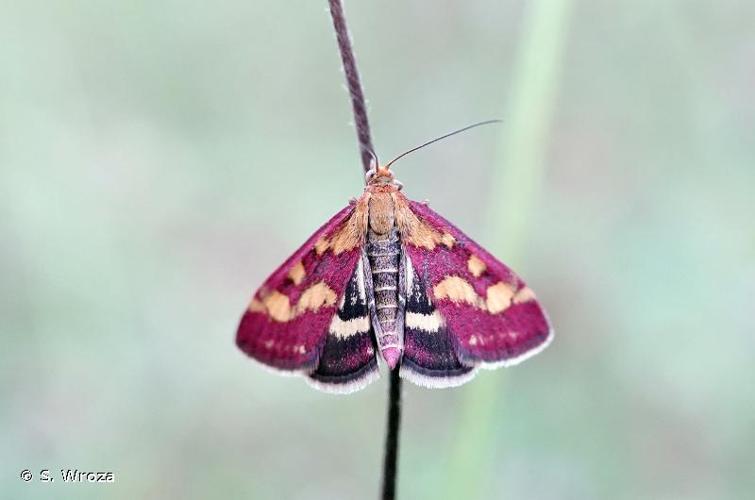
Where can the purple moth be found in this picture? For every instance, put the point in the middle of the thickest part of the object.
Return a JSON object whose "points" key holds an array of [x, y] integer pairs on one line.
{"points": [[389, 279]]}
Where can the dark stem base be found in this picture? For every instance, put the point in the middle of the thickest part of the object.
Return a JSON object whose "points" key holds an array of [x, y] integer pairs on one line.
{"points": [[390, 465]]}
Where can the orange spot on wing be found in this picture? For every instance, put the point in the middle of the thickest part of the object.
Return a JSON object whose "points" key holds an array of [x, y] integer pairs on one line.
{"points": [[297, 273], [456, 289], [524, 295], [315, 297], [499, 297], [278, 306], [476, 266]]}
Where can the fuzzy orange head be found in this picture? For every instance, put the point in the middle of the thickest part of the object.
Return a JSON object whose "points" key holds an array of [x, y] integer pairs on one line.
{"points": [[381, 176], [384, 171]]}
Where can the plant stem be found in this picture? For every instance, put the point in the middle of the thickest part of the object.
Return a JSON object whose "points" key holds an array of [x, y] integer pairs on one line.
{"points": [[391, 436], [390, 466], [358, 104]]}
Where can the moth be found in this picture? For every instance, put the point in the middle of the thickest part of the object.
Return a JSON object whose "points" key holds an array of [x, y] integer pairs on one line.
{"points": [[388, 280]]}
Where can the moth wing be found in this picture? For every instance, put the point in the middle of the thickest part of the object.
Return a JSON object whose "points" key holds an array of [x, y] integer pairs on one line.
{"points": [[491, 317], [287, 323], [429, 358], [348, 359]]}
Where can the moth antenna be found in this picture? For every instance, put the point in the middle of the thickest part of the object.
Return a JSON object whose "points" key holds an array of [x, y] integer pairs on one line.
{"points": [[464, 129]]}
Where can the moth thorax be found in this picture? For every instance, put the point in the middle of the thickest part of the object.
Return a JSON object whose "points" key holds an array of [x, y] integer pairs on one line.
{"points": [[382, 216]]}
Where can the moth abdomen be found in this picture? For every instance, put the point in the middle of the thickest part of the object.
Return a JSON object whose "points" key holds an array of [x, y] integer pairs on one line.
{"points": [[384, 256]]}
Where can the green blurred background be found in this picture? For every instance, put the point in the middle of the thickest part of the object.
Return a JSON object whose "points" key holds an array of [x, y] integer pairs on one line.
{"points": [[159, 159]]}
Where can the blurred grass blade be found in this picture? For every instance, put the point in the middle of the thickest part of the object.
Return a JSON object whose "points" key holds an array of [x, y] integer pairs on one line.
{"points": [[516, 191]]}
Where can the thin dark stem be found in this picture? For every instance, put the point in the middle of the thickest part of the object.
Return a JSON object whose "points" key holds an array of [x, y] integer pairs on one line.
{"points": [[358, 104], [391, 437], [365, 146]]}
